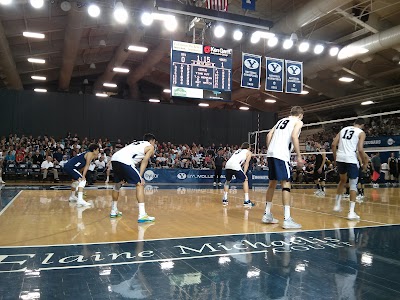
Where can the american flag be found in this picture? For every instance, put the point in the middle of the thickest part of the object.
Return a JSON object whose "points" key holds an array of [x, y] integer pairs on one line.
{"points": [[217, 4]]}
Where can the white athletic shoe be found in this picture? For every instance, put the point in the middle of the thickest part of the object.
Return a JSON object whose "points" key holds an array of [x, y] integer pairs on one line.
{"points": [[321, 194], [73, 198], [2, 182], [359, 198], [145, 218], [337, 208], [353, 216], [115, 214], [214, 184], [346, 196], [317, 192], [269, 219], [290, 224], [219, 183], [83, 203]]}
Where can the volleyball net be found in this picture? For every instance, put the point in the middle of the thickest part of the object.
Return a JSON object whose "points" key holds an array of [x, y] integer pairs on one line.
{"points": [[382, 136]]}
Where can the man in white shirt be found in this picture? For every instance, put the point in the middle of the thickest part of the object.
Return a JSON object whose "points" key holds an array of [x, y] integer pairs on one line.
{"points": [[48, 166], [64, 161], [345, 146], [281, 140]]}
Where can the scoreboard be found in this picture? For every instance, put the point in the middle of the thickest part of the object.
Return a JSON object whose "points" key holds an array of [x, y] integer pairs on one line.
{"points": [[201, 71]]}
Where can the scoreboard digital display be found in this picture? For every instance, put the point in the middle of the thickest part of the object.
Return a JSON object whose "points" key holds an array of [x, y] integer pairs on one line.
{"points": [[201, 71]]}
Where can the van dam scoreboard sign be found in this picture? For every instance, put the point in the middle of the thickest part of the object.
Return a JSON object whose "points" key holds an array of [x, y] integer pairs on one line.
{"points": [[201, 71]]}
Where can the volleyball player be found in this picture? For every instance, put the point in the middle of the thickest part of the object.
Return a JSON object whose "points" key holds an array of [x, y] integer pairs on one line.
{"points": [[280, 142], [73, 167], [319, 170], [393, 171], [362, 177], [345, 146], [234, 167], [123, 163]]}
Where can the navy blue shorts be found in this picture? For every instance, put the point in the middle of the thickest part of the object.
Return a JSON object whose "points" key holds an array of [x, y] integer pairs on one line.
{"points": [[350, 169], [74, 173], [123, 172], [239, 175], [278, 169]]}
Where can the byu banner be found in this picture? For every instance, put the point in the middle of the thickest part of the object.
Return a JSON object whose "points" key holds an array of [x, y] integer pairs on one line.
{"points": [[249, 4], [294, 77], [274, 74], [382, 141], [251, 71]]}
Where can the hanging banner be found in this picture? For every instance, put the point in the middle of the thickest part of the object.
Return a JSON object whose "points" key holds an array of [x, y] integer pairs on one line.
{"points": [[274, 74], [249, 4], [251, 71], [294, 77]]}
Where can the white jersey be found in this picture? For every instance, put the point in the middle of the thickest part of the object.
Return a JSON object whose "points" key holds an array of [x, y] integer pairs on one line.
{"points": [[237, 159], [131, 154], [281, 144], [347, 148]]}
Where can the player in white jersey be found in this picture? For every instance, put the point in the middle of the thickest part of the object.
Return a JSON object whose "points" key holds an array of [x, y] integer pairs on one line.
{"points": [[123, 163], [233, 166], [280, 142], [345, 146]]}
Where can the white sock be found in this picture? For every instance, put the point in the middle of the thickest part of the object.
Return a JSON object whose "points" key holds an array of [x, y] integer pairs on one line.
{"points": [[142, 211], [246, 197], [268, 207], [287, 212], [80, 196], [352, 206], [108, 178], [338, 198], [114, 205], [225, 196]]}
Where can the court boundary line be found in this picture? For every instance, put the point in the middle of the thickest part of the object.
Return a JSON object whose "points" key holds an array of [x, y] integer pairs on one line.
{"points": [[201, 236], [9, 204]]}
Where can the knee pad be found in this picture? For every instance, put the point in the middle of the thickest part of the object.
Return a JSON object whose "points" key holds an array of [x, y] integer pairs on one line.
{"points": [[82, 184], [285, 190], [74, 185], [117, 186], [353, 184]]}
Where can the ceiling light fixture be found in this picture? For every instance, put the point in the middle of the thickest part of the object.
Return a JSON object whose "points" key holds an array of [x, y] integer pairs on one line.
{"points": [[219, 31], [34, 77], [304, 46], [5, 2], [318, 49], [367, 102], [304, 92], [270, 100], [167, 91], [237, 35], [244, 108], [154, 100], [272, 42], [171, 24], [346, 79], [120, 13], [287, 44], [94, 10], [111, 85], [255, 37], [101, 95], [121, 70], [334, 51], [40, 90], [204, 104], [37, 3], [36, 60], [146, 19], [34, 35], [350, 51], [138, 48]]}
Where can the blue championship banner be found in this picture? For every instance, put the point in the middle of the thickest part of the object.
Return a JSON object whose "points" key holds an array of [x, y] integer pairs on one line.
{"points": [[294, 77], [274, 74], [249, 4], [251, 71], [382, 141]]}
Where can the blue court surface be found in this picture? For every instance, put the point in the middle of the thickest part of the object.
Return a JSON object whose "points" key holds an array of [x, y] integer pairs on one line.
{"points": [[350, 263]]}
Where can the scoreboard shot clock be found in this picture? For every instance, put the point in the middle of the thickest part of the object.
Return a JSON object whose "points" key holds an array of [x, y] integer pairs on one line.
{"points": [[201, 71]]}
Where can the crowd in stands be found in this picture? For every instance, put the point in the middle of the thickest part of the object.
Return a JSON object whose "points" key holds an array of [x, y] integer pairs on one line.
{"points": [[50, 154]]}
